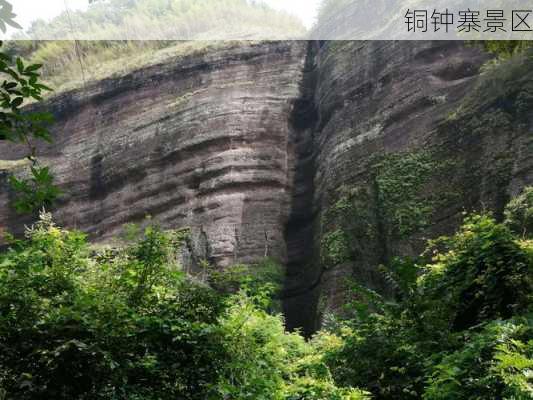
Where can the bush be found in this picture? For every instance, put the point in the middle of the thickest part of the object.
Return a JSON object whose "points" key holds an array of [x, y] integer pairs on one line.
{"points": [[482, 274], [262, 353], [380, 355], [495, 363], [519, 213], [126, 323], [108, 326], [506, 48], [307, 388], [459, 332]]}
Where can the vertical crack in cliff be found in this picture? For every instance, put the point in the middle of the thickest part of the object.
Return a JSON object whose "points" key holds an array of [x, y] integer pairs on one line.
{"points": [[300, 296]]}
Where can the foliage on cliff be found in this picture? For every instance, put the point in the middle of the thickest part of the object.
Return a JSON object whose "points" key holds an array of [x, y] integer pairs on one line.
{"points": [[394, 203], [519, 214], [462, 330], [506, 48]]}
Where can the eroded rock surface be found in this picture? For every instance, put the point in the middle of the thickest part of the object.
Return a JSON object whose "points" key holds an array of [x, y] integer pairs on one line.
{"points": [[332, 157], [198, 142], [410, 135]]}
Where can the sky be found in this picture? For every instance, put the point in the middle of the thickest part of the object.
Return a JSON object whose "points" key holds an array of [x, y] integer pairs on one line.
{"points": [[30, 10], [305, 9]]}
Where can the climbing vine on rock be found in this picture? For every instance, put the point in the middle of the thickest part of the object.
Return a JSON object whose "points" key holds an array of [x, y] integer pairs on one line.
{"points": [[400, 182], [335, 248], [395, 202], [349, 223]]}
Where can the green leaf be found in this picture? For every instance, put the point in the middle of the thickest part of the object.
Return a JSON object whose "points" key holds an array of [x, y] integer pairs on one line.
{"points": [[33, 68], [20, 65], [9, 85], [43, 87], [17, 102]]}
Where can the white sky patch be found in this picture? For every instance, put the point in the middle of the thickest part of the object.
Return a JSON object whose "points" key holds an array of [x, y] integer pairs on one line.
{"points": [[306, 10], [30, 10], [354, 20]]}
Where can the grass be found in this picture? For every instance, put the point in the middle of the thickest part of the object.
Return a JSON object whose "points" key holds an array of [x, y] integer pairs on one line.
{"points": [[115, 59], [69, 65]]}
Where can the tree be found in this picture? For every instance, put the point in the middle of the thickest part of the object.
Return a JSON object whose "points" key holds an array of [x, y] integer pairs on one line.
{"points": [[21, 85], [6, 16]]}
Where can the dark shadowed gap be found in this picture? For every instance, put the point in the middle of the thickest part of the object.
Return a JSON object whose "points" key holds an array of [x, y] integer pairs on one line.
{"points": [[300, 294]]}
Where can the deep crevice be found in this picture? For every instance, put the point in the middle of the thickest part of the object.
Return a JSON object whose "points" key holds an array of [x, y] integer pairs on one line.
{"points": [[300, 294]]}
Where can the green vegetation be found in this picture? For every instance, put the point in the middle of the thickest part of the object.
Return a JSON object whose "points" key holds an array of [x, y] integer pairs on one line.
{"points": [[350, 223], [519, 214], [335, 248], [21, 84], [103, 59], [505, 49], [400, 180], [495, 363], [463, 331], [498, 90], [68, 64], [129, 324], [140, 19], [394, 203]]}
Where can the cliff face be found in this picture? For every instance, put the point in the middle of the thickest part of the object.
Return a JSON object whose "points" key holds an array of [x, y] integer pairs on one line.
{"points": [[332, 157], [410, 135], [199, 142]]}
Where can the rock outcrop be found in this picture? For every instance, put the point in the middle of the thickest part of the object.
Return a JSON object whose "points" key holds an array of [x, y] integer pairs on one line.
{"points": [[410, 136], [199, 142], [332, 157]]}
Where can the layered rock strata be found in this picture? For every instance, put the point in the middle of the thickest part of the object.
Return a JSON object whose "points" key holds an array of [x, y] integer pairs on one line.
{"points": [[332, 157]]}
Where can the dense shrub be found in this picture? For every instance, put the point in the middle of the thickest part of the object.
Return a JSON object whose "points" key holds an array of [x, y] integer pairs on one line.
{"points": [[76, 323], [496, 362], [483, 274], [381, 355], [110, 326], [506, 48], [462, 331]]}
